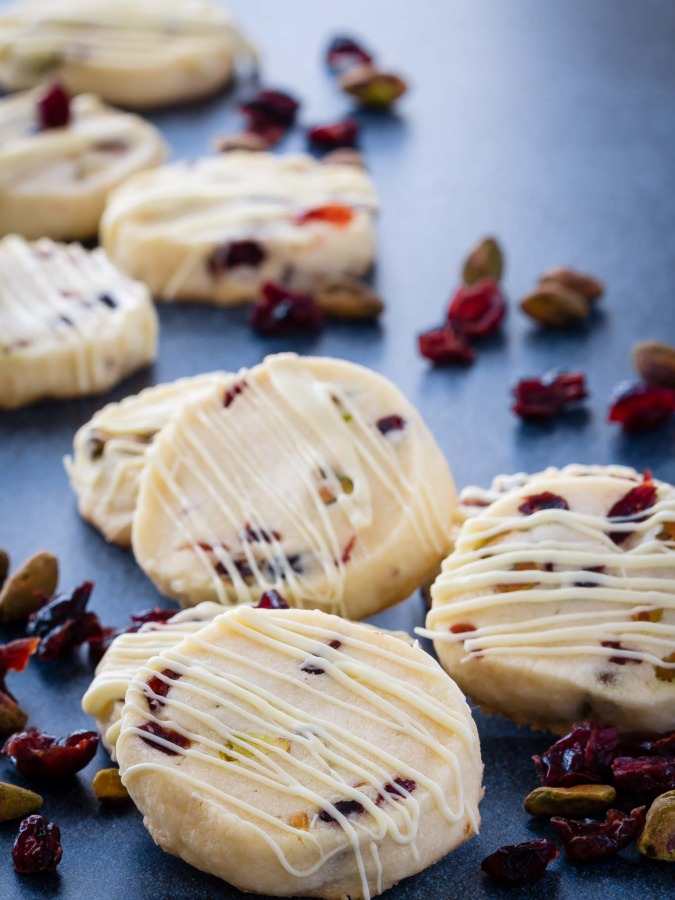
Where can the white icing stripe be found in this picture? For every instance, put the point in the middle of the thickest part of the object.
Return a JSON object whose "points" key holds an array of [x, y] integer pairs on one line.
{"points": [[328, 745]]}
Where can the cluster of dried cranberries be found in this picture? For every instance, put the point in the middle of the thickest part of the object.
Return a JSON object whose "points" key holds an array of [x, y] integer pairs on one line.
{"points": [[549, 395], [475, 311]]}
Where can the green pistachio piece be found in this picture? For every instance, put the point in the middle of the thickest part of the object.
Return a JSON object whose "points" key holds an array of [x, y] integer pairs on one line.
{"points": [[12, 717], [585, 285], [238, 745], [555, 306], [108, 787], [373, 87], [655, 362], [348, 298], [21, 592], [571, 802], [486, 260], [657, 841], [17, 802]]}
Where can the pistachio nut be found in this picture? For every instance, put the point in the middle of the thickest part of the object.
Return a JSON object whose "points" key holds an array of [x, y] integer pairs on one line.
{"points": [[657, 840], [23, 592], [347, 297], [655, 362], [585, 285], [486, 260], [373, 87], [344, 156], [555, 306], [108, 787], [17, 802], [12, 717], [251, 738], [571, 802]]}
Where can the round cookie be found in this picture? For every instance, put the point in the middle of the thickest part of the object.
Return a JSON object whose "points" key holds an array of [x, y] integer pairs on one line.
{"points": [[136, 55], [216, 229], [313, 476], [294, 753], [110, 450], [73, 325], [558, 603], [54, 182]]}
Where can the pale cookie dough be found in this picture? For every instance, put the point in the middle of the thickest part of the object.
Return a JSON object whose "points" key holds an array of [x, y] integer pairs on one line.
{"points": [[110, 450], [133, 54], [294, 753], [563, 614], [216, 229], [72, 324], [314, 476], [54, 182]]}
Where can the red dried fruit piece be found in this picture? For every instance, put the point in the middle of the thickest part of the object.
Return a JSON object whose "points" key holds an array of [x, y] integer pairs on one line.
{"points": [[619, 660], [159, 687], [37, 847], [154, 729], [390, 423], [234, 254], [584, 756], [64, 624], [545, 397], [586, 841], [520, 863], [647, 744], [346, 807], [344, 52], [256, 534], [270, 110], [230, 395], [641, 407], [477, 310], [644, 777], [396, 790], [334, 214], [136, 621], [53, 108], [537, 502], [13, 656], [348, 550], [636, 501], [272, 600], [39, 755], [331, 137], [281, 311], [444, 345]]}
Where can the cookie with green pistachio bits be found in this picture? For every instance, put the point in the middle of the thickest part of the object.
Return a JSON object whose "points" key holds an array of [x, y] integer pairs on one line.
{"points": [[26, 590], [17, 802]]}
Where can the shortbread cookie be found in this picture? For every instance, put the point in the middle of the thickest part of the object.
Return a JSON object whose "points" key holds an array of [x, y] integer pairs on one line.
{"points": [[133, 54], [314, 476], [109, 452], [72, 324], [54, 181], [558, 603], [216, 229], [294, 753]]}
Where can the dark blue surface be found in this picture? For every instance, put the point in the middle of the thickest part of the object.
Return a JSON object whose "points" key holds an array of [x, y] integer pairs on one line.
{"points": [[550, 125]]}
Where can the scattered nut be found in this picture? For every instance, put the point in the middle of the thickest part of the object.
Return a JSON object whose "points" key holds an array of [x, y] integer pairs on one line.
{"points": [[344, 156], [655, 362], [347, 298], [373, 87], [22, 593], [12, 717], [657, 841], [108, 787], [300, 820], [17, 802], [251, 738], [244, 140], [581, 800], [585, 285], [555, 306], [4, 567], [486, 260]]}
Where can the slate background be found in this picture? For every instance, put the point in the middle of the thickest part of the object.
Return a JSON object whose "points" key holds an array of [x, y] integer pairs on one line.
{"points": [[549, 125]]}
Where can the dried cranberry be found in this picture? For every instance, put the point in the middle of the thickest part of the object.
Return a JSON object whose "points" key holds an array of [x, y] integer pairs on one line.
{"points": [[159, 687], [445, 345], [331, 137], [641, 407], [520, 863], [270, 110], [396, 790], [629, 507], [233, 392], [272, 600], [349, 547], [37, 847], [64, 624], [390, 423], [545, 397], [154, 729], [13, 656], [108, 301], [536, 502], [346, 807], [462, 628], [644, 777], [39, 755], [53, 108], [136, 622], [477, 310], [586, 841], [344, 52], [333, 214], [236, 253], [255, 534], [583, 756], [647, 744], [281, 311], [619, 660]]}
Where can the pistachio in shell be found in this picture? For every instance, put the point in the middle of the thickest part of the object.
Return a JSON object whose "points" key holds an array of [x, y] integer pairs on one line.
{"points": [[108, 787], [555, 306], [657, 840], [373, 87], [571, 802], [584, 285], [344, 156], [17, 802], [24, 591], [347, 297], [486, 260], [655, 362], [4, 566]]}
